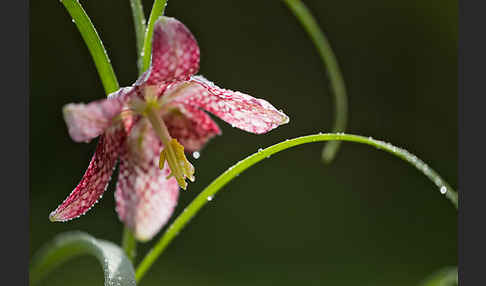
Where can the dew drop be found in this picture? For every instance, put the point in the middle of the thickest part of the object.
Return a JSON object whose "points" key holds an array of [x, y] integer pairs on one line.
{"points": [[260, 149], [210, 198], [196, 155], [443, 190]]}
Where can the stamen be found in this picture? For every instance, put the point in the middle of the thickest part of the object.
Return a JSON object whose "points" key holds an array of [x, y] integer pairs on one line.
{"points": [[173, 152]]}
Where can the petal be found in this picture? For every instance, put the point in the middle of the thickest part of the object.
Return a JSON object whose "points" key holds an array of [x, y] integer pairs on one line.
{"points": [[95, 179], [145, 198], [191, 126], [238, 109], [87, 121], [175, 53]]}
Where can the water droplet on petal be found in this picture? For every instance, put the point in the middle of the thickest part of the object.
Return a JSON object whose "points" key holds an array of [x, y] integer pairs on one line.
{"points": [[260, 149], [196, 155], [210, 198]]}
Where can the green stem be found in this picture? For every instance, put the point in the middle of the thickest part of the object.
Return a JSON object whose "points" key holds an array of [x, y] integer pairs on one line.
{"points": [[94, 43], [241, 166], [139, 23], [157, 10], [330, 62], [129, 244]]}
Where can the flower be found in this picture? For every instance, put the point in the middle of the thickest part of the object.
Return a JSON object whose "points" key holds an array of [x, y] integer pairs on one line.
{"points": [[149, 125]]}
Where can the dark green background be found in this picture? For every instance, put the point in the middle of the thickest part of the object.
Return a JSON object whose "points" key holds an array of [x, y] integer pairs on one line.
{"points": [[367, 219]]}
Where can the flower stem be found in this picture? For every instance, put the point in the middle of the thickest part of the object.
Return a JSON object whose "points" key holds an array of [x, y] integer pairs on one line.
{"points": [[139, 23], [157, 10], [94, 43], [129, 244], [330, 62], [192, 209]]}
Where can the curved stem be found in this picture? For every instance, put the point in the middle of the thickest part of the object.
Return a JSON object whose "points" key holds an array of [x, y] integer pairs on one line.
{"points": [[139, 23], [129, 244], [94, 43], [330, 62], [116, 267], [157, 10], [241, 166]]}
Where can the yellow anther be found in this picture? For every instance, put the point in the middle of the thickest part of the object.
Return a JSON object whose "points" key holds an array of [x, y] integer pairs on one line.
{"points": [[180, 167]]}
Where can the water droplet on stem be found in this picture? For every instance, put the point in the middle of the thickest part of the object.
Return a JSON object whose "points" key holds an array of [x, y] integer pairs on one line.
{"points": [[443, 190]]}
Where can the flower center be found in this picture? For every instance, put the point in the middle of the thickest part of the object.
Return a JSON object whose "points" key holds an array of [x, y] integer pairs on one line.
{"points": [[173, 151]]}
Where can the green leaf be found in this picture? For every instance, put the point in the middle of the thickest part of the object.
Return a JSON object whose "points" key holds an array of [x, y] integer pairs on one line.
{"points": [[94, 44], [157, 10], [139, 23], [338, 87], [446, 276], [118, 270], [223, 179]]}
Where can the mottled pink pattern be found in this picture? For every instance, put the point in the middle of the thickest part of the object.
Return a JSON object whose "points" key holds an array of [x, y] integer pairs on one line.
{"points": [[88, 121], [145, 199], [238, 109], [175, 53], [95, 179], [191, 126]]}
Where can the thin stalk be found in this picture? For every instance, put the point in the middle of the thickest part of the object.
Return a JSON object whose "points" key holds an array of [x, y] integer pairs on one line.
{"points": [[129, 244], [139, 23], [157, 10], [192, 209], [94, 44], [338, 87]]}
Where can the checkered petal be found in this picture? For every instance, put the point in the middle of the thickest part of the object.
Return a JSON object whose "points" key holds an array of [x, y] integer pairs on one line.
{"points": [[87, 121], [191, 126], [175, 53], [95, 179], [238, 109], [145, 198]]}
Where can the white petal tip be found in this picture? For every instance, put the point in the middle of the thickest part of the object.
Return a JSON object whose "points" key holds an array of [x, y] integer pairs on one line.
{"points": [[285, 119], [53, 217]]}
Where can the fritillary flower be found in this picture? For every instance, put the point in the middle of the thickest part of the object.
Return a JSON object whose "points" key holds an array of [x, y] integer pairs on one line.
{"points": [[148, 127]]}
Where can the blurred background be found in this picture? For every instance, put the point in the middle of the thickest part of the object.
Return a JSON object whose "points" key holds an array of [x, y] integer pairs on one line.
{"points": [[366, 219]]}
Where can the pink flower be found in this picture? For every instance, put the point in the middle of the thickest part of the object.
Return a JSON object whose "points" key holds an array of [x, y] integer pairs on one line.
{"points": [[150, 124]]}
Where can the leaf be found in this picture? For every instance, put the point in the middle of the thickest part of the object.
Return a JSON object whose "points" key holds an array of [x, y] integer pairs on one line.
{"points": [[139, 23], [157, 10], [446, 276], [94, 44], [117, 268], [309, 23]]}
